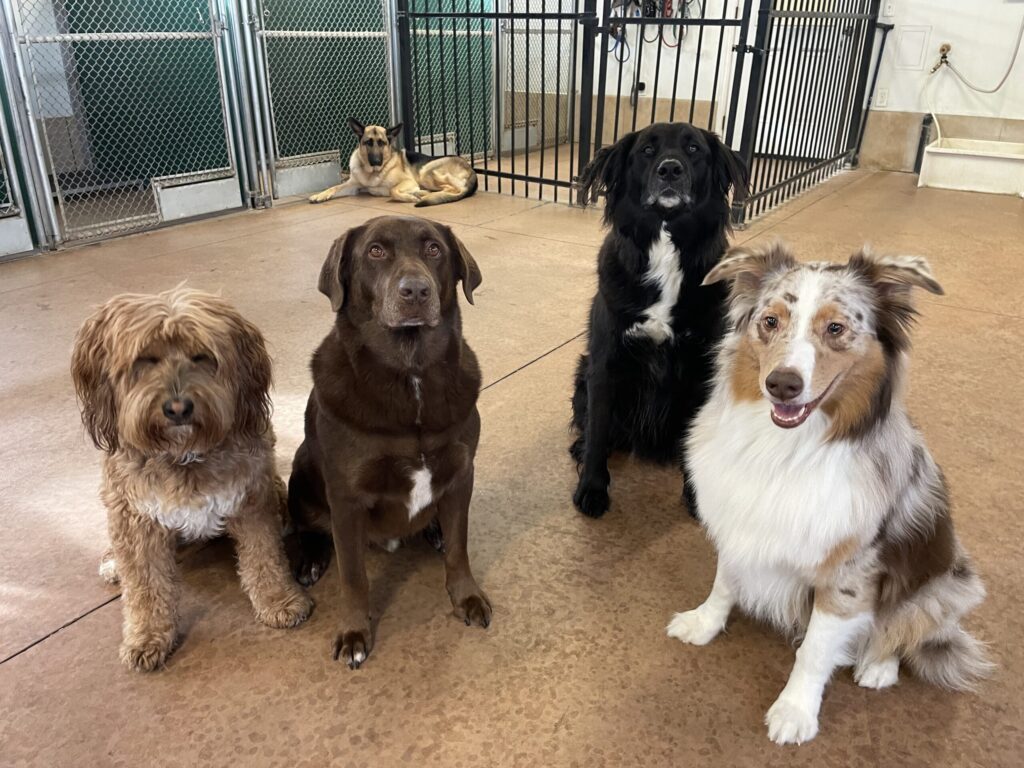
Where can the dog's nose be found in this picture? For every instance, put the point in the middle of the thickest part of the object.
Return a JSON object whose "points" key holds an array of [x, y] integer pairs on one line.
{"points": [[413, 290], [178, 409], [784, 384], [670, 169]]}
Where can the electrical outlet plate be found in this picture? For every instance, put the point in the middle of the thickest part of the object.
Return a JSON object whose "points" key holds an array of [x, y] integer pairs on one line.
{"points": [[882, 97], [889, 9]]}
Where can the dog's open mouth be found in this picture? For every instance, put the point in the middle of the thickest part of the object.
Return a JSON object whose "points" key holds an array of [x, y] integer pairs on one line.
{"points": [[787, 416], [667, 199]]}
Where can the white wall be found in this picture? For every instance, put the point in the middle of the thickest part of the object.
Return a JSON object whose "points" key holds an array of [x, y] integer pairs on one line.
{"points": [[982, 33]]}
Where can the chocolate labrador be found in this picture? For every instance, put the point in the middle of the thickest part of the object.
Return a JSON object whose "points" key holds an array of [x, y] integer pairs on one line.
{"points": [[391, 424]]}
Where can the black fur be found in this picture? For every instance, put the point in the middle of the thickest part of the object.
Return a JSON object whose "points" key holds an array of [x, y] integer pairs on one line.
{"points": [[633, 394]]}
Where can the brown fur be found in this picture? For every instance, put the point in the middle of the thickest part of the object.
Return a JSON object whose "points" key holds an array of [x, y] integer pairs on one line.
{"points": [[389, 400], [133, 354], [378, 167], [858, 396]]}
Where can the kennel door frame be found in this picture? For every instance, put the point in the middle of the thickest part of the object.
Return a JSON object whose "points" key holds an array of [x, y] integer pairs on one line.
{"points": [[283, 124], [180, 192]]}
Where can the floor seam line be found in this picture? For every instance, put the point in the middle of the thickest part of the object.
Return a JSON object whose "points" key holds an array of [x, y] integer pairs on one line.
{"points": [[531, 362], [61, 628]]}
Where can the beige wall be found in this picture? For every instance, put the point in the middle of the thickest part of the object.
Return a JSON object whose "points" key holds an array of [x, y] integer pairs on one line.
{"points": [[890, 138]]}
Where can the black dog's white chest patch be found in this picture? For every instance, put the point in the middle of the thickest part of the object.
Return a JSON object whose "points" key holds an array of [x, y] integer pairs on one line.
{"points": [[663, 271]]}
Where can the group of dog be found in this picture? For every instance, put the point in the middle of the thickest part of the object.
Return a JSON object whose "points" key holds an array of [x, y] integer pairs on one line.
{"points": [[776, 386]]}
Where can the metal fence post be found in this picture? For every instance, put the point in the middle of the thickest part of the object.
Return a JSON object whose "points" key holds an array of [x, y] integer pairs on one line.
{"points": [[852, 143], [755, 93], [589, 23], [602, 77], [406, 112]]}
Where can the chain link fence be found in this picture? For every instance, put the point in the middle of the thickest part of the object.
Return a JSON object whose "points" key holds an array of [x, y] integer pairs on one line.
{"points": [[326, 61], [7, 206], [128, 101]]}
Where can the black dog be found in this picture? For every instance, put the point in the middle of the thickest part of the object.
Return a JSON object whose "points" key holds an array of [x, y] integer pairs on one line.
{"points": [[653, 328]]}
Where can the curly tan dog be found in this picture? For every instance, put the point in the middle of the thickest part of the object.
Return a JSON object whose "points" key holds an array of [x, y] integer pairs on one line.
{"points": [[174, 387]]}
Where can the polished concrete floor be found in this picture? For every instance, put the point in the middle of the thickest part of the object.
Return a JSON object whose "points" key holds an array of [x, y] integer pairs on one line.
{"points": [[576, 669]]}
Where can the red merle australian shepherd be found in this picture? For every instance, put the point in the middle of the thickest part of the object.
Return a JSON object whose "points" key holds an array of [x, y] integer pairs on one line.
{"points": [[653, 326]]}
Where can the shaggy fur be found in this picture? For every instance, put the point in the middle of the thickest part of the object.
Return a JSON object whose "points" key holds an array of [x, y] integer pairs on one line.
{"points": [[653, 326], [830, 517], [174, 388]]}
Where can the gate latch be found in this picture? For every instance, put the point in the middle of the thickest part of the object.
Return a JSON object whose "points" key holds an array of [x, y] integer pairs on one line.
{"points": [[741, 48]]}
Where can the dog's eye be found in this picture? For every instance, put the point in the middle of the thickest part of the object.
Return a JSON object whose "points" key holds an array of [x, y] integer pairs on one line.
{"points": [[381, 143], [201, 358], [835, 329], [648, 150], [691, 149], [147, 360], [770, 322], [376, 252], [433, 250]]}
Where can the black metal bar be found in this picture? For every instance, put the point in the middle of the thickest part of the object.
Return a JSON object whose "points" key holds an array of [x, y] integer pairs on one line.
{"points": [[755, 92], [860, 109], [564, 184], [526, 100], [543, 93], [806, 106], [737, 76], [657, 76], [817, 166], [469, 83], [768, 102], [675, 75], [558, 103], [782, 126], [499, 110], [408, 116], [589, 23], [863, 122], [818, 15], [455, 102], [571, 123], [696, 67], [634, 101], [496, 15], [512, 91], [718, 68], [602, 79], [800, 104], [652, 21]]}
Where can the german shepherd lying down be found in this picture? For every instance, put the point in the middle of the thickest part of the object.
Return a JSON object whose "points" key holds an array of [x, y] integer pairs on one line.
{"points": [[379, 168]]}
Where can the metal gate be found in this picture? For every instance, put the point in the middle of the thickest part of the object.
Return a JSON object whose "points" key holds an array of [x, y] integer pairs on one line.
{"points": [[317, 63], [126, 105], [15, 236], [806, 95], [782, 82]]}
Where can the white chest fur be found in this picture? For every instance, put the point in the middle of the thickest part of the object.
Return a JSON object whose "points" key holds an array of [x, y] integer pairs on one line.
{"points": [[421, 495], [664, 272], [775, 501], [200, 516]]}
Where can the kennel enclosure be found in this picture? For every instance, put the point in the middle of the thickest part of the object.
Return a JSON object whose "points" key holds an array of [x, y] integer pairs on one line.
{"points": [[122, 115]]}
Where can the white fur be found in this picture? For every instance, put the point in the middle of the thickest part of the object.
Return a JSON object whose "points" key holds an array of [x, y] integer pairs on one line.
{"points": [[879, 674], [421, 495], [108, 570], [663, 270], [204, 518]]}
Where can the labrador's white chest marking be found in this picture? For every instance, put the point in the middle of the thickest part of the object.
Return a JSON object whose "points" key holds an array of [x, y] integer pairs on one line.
{"points": [[663, 271], [421, 495]]}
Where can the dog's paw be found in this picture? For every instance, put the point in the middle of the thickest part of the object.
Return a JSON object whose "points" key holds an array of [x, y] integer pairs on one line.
{"points": [[352, 647], [321, 197], [693, 627], [475, 610], [591, 500], [108, 569], [313, 557], [288, 612], [146, 655], [790, 723], [878, 674]]}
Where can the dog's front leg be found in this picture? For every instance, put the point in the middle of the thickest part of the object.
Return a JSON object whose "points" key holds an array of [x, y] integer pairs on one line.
{"points": [[591, 496], [262, 565], [470, 603], [704, 623], [347, 188], [354, 640], [793, 718], [144, 554]]}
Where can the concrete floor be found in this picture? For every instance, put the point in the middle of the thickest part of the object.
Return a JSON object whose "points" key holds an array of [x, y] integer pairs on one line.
{"points": [[576, 669]]}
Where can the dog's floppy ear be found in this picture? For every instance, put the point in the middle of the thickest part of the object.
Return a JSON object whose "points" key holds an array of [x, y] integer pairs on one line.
{"points": [[729, 168], [332, 273], [607, 171], [357, 128], [892, 278], [896, 272], [464, 266], [92, 379], [254, 370], [747, 268], [394, 131]]}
